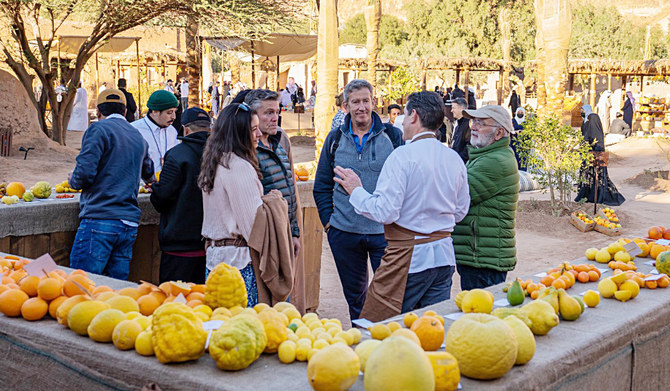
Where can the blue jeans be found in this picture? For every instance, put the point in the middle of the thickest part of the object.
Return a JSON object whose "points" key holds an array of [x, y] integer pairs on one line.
{"points": [[103, 247], [476, 277], [427, 287], [184, 103], [351, 252]]}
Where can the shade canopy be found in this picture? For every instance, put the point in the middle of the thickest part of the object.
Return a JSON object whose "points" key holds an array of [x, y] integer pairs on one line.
{"points": [[289, 47], [71, 43]]}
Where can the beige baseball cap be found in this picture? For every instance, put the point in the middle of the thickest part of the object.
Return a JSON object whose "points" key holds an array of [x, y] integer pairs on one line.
{"points": [[495, 112], [111, 95]]}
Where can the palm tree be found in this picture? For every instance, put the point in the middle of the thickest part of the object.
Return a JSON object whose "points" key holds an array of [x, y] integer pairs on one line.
{"points": [[327, 62], [373, 15]]}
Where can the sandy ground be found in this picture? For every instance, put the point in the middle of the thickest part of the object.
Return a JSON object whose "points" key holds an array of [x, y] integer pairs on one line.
{"points": [[542, 240]]}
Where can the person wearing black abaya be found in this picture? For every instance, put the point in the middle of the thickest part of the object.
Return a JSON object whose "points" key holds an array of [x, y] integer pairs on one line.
{"points": [[592, 131]]}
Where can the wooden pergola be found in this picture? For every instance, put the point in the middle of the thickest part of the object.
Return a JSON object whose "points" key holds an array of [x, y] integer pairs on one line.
{"points": [[466, 65], [622, 68]]}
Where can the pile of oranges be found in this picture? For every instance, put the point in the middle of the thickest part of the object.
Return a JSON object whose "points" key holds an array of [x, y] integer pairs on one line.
{"points": [[566, 275], [658, 232], [33, 297], [662, 282]]}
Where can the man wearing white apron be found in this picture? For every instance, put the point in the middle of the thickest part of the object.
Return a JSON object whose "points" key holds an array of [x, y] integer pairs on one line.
{"points": [[156, 127], [421, 193]]}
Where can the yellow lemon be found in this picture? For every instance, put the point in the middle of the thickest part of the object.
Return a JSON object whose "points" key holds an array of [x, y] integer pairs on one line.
{"points": [[393, 326], [356, 334], [591, 298], [409, 318], [125, 333], [379, 331], [143, 343], [591, 254], [287, 351], [102, 326]]}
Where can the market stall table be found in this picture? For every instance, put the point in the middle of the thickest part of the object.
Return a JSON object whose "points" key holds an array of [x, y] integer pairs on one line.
{"points": [[616, 346]]}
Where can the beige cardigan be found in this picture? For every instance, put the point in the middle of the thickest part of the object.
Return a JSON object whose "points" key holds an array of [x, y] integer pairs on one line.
{"points": [[229, 211]]}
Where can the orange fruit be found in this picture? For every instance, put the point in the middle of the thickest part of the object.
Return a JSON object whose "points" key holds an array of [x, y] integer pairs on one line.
{"points": [[131, 292], [195, 296], [100, 289], [148, 304], [570, 277], [198, 288], [65, 307], [49, 288], [664, 282], [166, 287], [71, 289], [61, 273], [4, 288], [594, 276], [655, 250], [180, 287], [194, 303], [11, 302], [15, 188], [559, 283], [655, 233], [34, 309], [16, 275], [547, 280], [583, 277], [302, 173], [535, 294], [146, 287], [639, 280], [430, 332], [29, 285], [159, 295], [666, 234], [54, 304], [651, 284], [7, 280], [79, 272]]}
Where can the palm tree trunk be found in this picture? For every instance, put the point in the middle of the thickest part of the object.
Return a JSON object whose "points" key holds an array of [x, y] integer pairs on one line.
{"points": [[327, 62], [556, 31], [193, 61], [540, 57], [373, 14]]}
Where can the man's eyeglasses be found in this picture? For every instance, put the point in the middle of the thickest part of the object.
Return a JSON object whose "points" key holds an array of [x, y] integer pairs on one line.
{"points": [[480, 123]]}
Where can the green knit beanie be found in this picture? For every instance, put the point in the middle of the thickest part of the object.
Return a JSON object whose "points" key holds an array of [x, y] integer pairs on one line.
{"points": [[162, 100]]}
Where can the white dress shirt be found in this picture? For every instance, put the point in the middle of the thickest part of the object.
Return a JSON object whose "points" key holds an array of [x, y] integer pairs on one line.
{"points": [[423, 187], [184, 89], [160, 140]]}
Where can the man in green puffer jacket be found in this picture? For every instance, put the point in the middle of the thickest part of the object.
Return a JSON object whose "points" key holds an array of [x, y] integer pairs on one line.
{"points": [[484, 241]]}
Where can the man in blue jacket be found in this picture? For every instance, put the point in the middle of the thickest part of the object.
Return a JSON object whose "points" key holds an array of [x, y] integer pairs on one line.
{"points": [[113, 157], [362, 143]]}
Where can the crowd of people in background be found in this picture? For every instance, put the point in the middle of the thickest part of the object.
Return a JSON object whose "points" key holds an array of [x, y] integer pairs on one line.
{"points": [[391, 197]]}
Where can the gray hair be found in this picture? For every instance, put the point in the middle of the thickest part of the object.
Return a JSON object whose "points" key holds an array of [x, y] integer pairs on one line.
{"points": [[255, 98], [355, 85]]}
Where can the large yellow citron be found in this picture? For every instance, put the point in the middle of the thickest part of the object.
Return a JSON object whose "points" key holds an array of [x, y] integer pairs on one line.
{"points": [[275, 329], [333, 368], [238, 343], [398, 364], [225, 287], [177, 333], [484, 345]]}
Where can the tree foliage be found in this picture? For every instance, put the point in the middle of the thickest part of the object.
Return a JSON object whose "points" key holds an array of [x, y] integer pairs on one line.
{"points": [[35, 25], [404, 83], [555, 153], [391, 31]]}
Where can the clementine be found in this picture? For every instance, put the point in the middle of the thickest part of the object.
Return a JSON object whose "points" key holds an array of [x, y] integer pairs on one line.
{"points": [[34, 309], [430, 332]]}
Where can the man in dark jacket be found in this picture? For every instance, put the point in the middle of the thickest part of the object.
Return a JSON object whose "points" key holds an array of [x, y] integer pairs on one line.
{"points": [[113, 157], [362, 143], [178, 199], [131, 106], [461, 133], [484, 241], [274, 154]]}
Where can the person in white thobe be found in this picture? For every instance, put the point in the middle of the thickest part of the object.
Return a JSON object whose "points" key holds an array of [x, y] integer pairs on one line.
{"points": [[79, 117], [422, 192]]}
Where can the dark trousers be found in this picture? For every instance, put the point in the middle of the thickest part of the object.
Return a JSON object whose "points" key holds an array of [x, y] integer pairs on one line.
{"points": [[427, 287], [476, 277], [187, 269], [351, 252]]}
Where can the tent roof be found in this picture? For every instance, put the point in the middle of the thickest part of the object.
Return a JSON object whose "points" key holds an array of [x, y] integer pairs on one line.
{"points": [[620, 67], [289, 47], [471, 63], [71, 43]]}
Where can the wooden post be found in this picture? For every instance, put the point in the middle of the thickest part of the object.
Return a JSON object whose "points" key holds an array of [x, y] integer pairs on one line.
{"points": [[58, 62], [424, 75], [118, 70], [466, 76], [571, 83], [253, 68], [623, 91], [641, 84], [277, 73], [139, 78], [500, 86], [592, 91], [97, 75], [458, 76], [609, 81]]}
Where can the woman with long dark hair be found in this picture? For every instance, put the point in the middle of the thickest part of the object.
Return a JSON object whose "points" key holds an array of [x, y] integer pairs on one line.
{"points": [[231, 191]]}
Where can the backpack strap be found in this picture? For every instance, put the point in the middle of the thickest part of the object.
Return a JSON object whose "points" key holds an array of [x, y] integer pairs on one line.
{"points": [[333, 146]]}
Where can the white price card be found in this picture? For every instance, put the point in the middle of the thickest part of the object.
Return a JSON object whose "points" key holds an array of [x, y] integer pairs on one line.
{"points": [[180, 299], [663, 242], [363, 323], [603, 270], [209, 336], [501, 303], [653, 271], [654, 277], [454, 315], [583, 293], [650, 263], [41, 266], [212, 324], [632, 248], [541, 275]]}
